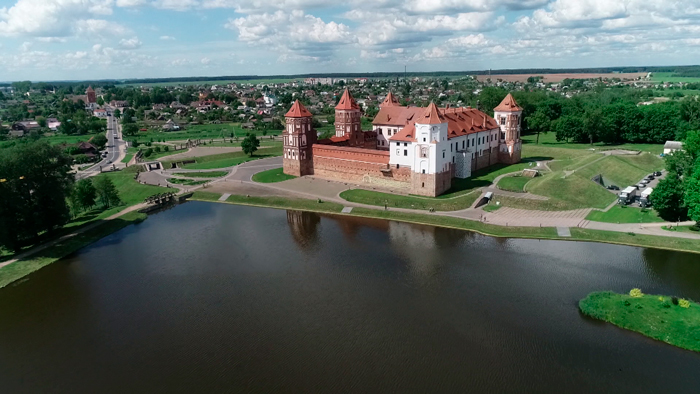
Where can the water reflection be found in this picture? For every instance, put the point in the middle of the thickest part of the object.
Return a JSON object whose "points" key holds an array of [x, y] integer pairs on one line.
{"points": [[303, 227], [680, 269]]}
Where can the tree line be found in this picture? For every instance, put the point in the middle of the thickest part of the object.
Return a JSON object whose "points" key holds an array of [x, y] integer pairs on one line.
{"points": [[677, 196], [38, 193]]}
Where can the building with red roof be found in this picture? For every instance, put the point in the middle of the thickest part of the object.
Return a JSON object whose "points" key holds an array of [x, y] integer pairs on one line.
{"points": [[413, 149]]}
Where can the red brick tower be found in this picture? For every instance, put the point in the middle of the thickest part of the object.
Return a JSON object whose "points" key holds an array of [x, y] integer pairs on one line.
{"points": [[91, 96], [508, 114], [347, 120], [298, 138]]}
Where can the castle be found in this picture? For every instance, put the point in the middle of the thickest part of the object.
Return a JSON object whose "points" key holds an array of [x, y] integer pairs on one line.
{"points": [[412, 149]]}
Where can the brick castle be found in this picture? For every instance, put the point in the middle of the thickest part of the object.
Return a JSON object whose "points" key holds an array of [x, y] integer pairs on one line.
{"points": [[413, 149]]}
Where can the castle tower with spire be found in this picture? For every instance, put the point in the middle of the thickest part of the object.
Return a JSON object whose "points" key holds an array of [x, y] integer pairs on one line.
{"points": [[298, 138], [508, 114], [91, 96], [347, 120], [432, 168]]}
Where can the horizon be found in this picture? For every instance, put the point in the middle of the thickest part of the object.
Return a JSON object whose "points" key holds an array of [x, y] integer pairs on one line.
{"points": [[72, 40]]}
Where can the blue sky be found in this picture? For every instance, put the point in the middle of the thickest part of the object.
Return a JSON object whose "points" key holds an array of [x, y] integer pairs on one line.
{"points": [[91, 39]]}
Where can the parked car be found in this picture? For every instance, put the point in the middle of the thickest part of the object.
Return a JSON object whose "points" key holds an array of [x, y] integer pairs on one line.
{"points": [[613, 187], [657, 173], [650, 177]]}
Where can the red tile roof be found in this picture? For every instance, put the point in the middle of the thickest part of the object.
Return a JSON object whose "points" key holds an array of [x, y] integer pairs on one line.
{"points": [[407, 134], [460, 121], [390, 101], [397, 116], [89, 89], [347, 102], [431, 115], [508, 105], [298, 111]]}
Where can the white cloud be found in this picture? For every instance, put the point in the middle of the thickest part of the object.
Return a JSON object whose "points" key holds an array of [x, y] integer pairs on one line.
{"points": [[131, 43], [130, 3], [205, 60], [176, 5], [167, 38], [51, 39]]}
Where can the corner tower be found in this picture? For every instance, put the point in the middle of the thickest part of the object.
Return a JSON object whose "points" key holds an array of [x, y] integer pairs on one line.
{"points": [[298, 138], [347, 120], [508, 114], [432, 168], [91, 96]]}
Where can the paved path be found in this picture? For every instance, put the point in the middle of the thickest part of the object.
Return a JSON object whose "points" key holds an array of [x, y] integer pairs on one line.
{"points": [[527, 218]]}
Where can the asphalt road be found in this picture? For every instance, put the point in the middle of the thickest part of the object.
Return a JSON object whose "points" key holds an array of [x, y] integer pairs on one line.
{"points": [[114, 141]]}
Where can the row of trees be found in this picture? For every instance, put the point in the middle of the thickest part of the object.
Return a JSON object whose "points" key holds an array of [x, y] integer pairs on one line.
{"points": [[38, 193], [677, 196]]}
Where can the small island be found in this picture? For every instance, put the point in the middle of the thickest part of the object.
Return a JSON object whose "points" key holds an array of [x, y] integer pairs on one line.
{"points": [[668, 319]]}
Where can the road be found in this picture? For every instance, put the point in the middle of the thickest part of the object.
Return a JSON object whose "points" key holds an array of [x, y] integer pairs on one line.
{"points": [[115, 148]]}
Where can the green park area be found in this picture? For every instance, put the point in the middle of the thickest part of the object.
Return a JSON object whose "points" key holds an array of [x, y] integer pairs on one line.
{"points": [[272, 176], [672, 77], [549, 140], [683, 229], [515, 183], [225, 160], [198, 132], [186, 182], [625, 214], [667, 319]]}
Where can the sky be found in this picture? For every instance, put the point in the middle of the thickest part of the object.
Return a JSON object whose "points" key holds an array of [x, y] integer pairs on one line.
{"points": [[42, 40]]}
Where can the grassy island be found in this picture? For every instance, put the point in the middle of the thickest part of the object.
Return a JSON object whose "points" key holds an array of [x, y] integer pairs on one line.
{"points": [[668, 319]]}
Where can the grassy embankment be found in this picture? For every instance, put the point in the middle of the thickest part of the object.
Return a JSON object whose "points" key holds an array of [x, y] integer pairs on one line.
{"points": [[654, 316], [272, 176], [186, 182], [130, 192], [226, 160], [204, 132], [577, 234], [514, 183], [130, 152], [683, 229], [549, 140]]}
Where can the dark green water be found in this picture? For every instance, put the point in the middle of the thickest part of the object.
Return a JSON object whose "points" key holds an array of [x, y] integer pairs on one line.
{"points": [[218, 298]]}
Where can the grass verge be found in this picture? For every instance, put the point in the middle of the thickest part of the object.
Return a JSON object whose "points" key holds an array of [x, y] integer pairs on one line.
{"points": [[625, 214], [654, 316], [65, 246], [186, 182], [272, 176], [409, 202], [226, 160]]}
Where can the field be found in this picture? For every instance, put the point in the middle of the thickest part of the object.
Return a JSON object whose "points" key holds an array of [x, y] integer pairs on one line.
{"points": [[272, 176], [215, 82], [206, 174], [57, 139], [130, 191], [624, 214], [554, 78], [204, 131], [655, 316], [672, 77]]}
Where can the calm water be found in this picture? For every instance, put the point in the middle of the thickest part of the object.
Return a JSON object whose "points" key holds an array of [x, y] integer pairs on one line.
{"points": [[219, 298]]}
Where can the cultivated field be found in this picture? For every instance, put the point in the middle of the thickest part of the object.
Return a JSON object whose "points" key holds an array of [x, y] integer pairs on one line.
{"points": [[554, 78]]}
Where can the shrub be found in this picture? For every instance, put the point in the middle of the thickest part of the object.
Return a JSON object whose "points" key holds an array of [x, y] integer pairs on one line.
{"points": [[674, 300], [683, 303], [166, 148], [695, 228], [636, 293]]}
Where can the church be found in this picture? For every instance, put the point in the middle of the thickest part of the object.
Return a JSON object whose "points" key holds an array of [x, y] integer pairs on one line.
{"points": [[412, 149]]}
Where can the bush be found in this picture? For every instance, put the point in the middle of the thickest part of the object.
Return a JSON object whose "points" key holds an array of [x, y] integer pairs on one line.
{"points": [[636, 293], [683, 303], [674, 300], [166, 148], [695, 228], [81, 159], [157, 149], [148, 152]]}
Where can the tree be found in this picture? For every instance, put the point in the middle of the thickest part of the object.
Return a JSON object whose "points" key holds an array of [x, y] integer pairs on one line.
{"points": [[41, 121], [539, 123], [668, 198], [34, 184], [250, 144], [83, 194], [130, 129], [692, 194], [117, 113], [107, 193], [99, 141], [100, 101]]}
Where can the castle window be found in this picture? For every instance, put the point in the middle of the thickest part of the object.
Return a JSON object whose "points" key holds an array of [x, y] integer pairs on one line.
{"points": [[397, 166], [424, 151], [462, 144], [443, 154], [503, 120], [423, 183], [405, 144], [398, 152], [405, 152], [423, 139]]}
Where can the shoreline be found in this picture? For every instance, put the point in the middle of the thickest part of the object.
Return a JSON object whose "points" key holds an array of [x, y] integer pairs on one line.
{"points": [[577, 234]]}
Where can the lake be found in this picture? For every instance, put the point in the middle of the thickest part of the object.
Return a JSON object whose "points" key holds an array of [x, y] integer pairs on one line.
{"points": [[210, 297]]}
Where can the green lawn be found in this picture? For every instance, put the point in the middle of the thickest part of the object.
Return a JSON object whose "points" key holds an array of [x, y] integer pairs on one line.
{"points": [[130, 191], [491, 207], [226, 160], [549, 141], [623, 170], [625, 214], [513, 183], [272, 176], [204, 132], [186, 182], [672, 77], [273, 202], [654, 316], [158, 155], [204, 174], [130, 152], [368, 197], [574, 163], [56, 139]]}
